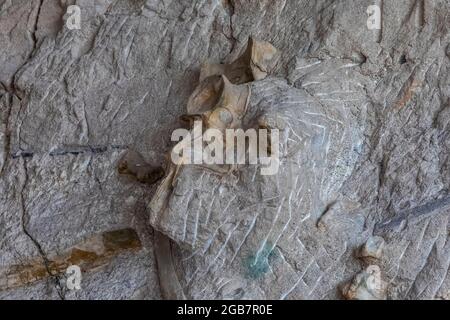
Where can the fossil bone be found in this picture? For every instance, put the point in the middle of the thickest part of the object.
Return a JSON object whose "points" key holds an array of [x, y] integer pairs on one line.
{"points": [[366, 285], [372, 249], [257, 61], [168, 280], [210, 214], [230, 103], [219, 103]]}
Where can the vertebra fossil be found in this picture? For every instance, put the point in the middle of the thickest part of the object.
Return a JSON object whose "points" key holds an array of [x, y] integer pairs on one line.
{"points": [[257, 61]]}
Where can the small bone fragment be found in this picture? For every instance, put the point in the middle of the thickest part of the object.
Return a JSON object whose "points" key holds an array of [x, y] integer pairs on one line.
{"points": [[366, 285], [372, 249]]}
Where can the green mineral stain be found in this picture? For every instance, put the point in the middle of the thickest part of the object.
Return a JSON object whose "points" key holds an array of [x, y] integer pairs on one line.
{"points": [[258, 265]]}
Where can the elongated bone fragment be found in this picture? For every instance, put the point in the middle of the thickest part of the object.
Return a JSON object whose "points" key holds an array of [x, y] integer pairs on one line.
{"points": [[168, 280]]}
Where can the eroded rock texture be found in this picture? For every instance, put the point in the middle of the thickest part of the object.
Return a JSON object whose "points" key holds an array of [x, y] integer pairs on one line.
{"points": [[86, 116]]}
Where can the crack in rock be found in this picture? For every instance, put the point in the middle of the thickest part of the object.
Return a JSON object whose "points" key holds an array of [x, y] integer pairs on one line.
{"points": [[55, 278]]}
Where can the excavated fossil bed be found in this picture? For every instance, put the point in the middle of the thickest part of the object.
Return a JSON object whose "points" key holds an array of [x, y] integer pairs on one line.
{"points": [[86, 117]]}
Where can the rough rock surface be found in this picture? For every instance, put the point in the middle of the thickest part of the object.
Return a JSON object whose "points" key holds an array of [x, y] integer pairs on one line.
{"points": [[374, 106]]}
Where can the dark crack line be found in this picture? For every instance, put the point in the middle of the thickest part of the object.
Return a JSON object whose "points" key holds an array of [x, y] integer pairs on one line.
{"points": [[55, 278], [412, 215], [87, 150], [14, 89], [7, 144], [35, 27], [231, 11], [382, 169]]}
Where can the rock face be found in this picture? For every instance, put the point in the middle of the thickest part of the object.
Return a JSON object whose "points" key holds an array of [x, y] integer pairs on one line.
{"points": [[358, 209]]}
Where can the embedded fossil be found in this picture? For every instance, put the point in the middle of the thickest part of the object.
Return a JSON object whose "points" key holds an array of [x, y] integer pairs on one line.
{"points": [[366, 285], [170, 286], [210, 214], [257, 61], [372, 249], [219, 103], [71, 99], [91, 253], [227, 111]]}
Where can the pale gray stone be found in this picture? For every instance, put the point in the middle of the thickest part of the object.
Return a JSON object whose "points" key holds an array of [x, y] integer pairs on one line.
{"points": [[74, 102]]}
